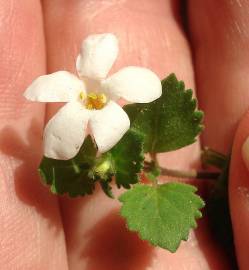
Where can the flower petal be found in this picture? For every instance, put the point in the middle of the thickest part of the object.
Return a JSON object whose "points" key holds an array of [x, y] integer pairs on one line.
{"points": [[97, 55], [109, 125], [61, 86], [135, 84], [65, 132]]}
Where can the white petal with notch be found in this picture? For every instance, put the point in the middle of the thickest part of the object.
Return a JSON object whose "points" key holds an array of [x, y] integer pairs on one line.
{"points": [[135, 84], [66, 131], [97, 55], [61, 86], [109, 125]]}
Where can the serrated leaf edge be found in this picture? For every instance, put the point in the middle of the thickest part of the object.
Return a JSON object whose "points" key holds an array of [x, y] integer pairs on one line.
{"points": [[197, 215]]}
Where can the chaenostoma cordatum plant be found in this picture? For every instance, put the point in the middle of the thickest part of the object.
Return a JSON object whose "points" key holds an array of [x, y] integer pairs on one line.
{"points": [[125, 141]]}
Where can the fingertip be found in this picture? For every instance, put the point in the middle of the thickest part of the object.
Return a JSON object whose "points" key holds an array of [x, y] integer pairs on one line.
{"points": [[245, 152], [239, 191]]}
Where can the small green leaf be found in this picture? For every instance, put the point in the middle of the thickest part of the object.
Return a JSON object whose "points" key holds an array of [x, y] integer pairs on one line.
{"points": [[70, 176], [163, 215], [127, 157], [170, 122]]}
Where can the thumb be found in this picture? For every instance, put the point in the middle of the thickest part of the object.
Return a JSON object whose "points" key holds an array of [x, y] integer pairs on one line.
{"points": [[239, 192]]}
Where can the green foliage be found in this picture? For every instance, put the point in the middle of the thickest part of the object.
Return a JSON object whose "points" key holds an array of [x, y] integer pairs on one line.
{"points": [[127, 157], [163, 215], [71, 176], [170, 122]]}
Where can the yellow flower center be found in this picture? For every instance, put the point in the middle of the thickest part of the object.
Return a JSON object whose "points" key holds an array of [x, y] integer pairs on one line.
{"points": [[94, 101]]}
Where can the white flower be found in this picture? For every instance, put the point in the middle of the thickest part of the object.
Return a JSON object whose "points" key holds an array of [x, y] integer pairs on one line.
{"points": [[91, 98]]}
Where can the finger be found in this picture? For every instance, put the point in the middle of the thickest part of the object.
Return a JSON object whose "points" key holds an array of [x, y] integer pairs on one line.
{"points": [[220, 40], [30, 224], [149, 36], [239, 193]]}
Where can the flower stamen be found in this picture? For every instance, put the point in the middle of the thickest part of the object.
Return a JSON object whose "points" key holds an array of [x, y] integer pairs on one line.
{"points": [[82, 96], [95, 101]]}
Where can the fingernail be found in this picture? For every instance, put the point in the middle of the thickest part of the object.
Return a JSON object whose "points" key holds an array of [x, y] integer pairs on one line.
{"points": [[245, 152]]}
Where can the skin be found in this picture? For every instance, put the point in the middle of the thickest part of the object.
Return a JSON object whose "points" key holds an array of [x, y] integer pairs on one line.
{"points": [[41, 231]]}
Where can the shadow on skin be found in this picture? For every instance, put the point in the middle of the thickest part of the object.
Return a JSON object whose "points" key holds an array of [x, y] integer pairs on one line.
{"points": [[207, 244], [111, 246], [28, 186], [203, 233]]}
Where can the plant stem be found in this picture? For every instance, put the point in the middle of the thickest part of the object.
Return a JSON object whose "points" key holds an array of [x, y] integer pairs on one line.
{"points": [[155, 161], [183, 174], [190, 174], [213, 158]]}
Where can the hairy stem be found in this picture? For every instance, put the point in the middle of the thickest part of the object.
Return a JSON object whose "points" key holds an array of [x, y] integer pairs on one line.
{"points": [[155, 163], [190, 174], [183, 174], [213, 158]]}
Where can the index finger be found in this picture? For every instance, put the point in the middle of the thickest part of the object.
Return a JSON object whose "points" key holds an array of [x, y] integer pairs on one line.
{"points": [[30, 223]]}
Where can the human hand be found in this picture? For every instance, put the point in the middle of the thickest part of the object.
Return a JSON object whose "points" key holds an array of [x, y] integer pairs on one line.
{"points": [[34, 224]]}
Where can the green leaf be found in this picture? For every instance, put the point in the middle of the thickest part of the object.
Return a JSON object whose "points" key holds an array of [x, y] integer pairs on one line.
{"points": [[70, 176], [170, 122], [127, 157], [163, 215]]}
